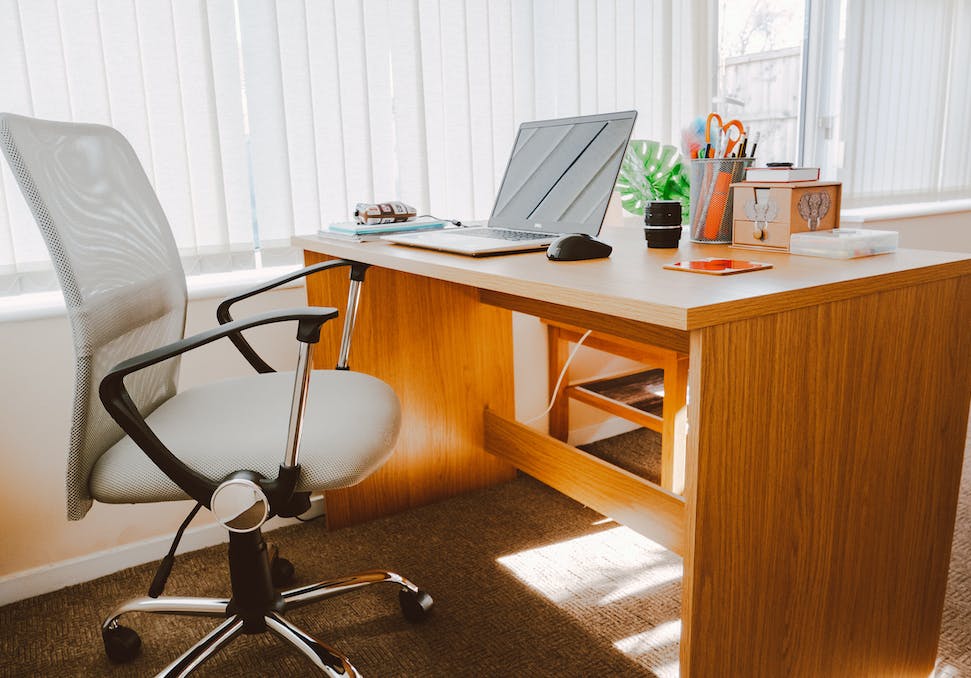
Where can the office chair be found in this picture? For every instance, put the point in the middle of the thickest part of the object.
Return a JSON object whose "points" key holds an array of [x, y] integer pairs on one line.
{"points": [[246, 448]]}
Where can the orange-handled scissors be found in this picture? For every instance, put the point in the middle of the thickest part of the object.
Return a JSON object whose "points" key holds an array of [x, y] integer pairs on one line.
{"points": [[730, 133]]}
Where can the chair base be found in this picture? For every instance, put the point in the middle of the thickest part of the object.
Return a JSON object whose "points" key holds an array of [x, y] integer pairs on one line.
{"points": [[256, 607]]}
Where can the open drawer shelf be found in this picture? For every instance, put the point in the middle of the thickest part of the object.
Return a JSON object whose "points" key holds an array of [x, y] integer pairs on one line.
{"points": [[652, 395], [637, 396]]}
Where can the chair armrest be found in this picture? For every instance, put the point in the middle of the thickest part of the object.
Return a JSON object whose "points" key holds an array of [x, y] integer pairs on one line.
{"points": [[118, 402], [223, 316]]}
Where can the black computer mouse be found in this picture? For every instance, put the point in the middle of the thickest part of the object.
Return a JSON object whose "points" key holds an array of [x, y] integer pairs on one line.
{"points": [[576, 247]]}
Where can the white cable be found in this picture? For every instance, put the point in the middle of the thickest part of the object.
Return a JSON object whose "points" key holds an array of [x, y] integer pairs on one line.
{"points": [[556, 389]]}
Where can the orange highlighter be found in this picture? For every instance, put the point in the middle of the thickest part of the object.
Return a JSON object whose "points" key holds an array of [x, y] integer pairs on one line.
{"points": [[717, 204]]}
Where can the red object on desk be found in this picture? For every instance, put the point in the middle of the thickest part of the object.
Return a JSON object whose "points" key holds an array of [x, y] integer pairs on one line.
{"points": [[715, 266]]}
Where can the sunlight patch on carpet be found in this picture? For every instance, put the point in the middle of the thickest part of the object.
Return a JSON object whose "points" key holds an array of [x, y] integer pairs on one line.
{"points": [[616, 561], [663, 635], [614, 574]]}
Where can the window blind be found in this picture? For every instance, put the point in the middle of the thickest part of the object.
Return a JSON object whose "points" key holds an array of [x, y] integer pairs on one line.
{"points": [[906, 100], [419, 100], [262, 119]]}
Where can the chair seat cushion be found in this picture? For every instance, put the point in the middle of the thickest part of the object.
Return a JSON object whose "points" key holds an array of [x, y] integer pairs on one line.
{"points": [[349, 430]]}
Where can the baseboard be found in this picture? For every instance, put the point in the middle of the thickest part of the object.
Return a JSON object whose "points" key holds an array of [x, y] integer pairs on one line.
{"points": [[605, 429], [47, 578]]}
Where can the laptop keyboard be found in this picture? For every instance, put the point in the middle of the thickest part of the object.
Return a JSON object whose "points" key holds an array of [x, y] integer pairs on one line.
{"points": [[500, 234]]}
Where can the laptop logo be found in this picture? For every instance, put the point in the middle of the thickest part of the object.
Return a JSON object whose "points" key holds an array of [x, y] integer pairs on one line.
{"points": [[537, 225]]}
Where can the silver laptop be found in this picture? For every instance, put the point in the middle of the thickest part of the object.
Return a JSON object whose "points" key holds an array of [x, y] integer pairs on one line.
{"points": [[558, 180]]}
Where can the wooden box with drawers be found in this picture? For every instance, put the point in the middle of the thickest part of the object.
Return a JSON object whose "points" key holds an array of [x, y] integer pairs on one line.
{"points": [[766, 214]]}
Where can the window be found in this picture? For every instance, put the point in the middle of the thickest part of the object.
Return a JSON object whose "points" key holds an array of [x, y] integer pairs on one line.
{"points": [[759, 72], [257, 120], [872, 92]]}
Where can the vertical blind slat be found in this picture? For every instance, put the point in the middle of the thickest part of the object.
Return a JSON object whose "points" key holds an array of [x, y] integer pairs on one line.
{"points": [[434, 102], [228, 105], [19, 246], [296, 85], [956, 166], [44, 54], [567, 58], [480, 107], [455, 91], [521, 31], [378, 35], [163, 103], [648, 44], [328, 112], [624, 41], [690, 22], [411, 149], [83, 63], [125, 79], [202, 143], [546, 40], [851, 111], [267, 119], [503, 87], [606, 55], [355, 111], [873, 58], [587, 49]]}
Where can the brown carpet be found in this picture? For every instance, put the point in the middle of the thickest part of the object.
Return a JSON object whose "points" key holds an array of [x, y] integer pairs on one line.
{"points": [[526, 581], [638, 452], [954, 651]]}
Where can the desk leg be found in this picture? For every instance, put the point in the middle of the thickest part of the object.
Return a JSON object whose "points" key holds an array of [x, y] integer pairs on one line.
{"points": [[558, 350], [447, 357], [824, 460], [674, 415]]}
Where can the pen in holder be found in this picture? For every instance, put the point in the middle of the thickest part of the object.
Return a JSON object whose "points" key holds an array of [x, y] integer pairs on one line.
{"points": [[711, 197]]}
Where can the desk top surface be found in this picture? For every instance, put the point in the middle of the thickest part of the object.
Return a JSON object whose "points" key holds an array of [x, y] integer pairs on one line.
{"points": [[633, 284]]}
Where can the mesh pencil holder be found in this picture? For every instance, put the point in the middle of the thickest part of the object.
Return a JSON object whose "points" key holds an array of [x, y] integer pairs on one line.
{"points": [[711, 197]]}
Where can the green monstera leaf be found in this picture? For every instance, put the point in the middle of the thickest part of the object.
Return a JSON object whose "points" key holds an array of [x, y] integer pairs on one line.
{"points": [[652, 171]]}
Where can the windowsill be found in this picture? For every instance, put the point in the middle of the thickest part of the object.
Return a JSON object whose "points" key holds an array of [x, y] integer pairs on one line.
{"points": [[861, 215], [206, 286], [219, 285]]}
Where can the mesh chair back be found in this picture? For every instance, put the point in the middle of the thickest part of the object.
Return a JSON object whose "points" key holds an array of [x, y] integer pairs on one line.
{"points": [[117, 263]]}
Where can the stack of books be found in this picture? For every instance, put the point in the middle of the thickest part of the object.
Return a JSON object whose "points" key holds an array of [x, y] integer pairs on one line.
{"points": [[354, 232]]}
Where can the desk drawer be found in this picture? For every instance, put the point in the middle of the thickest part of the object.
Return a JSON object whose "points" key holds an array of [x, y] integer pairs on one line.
{"points": [[774, 234]]}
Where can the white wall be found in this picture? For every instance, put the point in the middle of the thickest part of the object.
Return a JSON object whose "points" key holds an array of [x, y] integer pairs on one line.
{"points": [[950, 232]]}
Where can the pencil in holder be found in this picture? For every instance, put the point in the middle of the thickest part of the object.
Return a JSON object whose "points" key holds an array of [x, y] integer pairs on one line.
{"points": [[711, 197]]}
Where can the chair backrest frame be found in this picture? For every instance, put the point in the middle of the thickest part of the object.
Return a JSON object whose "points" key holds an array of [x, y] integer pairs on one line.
{"points": [[118, 265]]}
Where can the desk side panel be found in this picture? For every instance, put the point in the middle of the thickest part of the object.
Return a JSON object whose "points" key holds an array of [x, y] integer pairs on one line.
{"points": [[446, 356], [823, 474]]}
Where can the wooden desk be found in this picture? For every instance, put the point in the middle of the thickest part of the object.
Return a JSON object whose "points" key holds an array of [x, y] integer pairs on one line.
{"points": [[827, 420]]}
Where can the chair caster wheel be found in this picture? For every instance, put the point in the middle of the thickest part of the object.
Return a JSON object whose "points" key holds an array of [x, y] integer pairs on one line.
{"points": [[281, 571], [122, 644], [415, 606]]}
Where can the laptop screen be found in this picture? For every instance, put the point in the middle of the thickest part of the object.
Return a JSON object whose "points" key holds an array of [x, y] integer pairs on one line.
{"points": [[561, 173]]}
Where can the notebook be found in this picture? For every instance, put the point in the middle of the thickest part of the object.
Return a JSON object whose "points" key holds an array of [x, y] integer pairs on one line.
{"points": [[558, 180]]}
